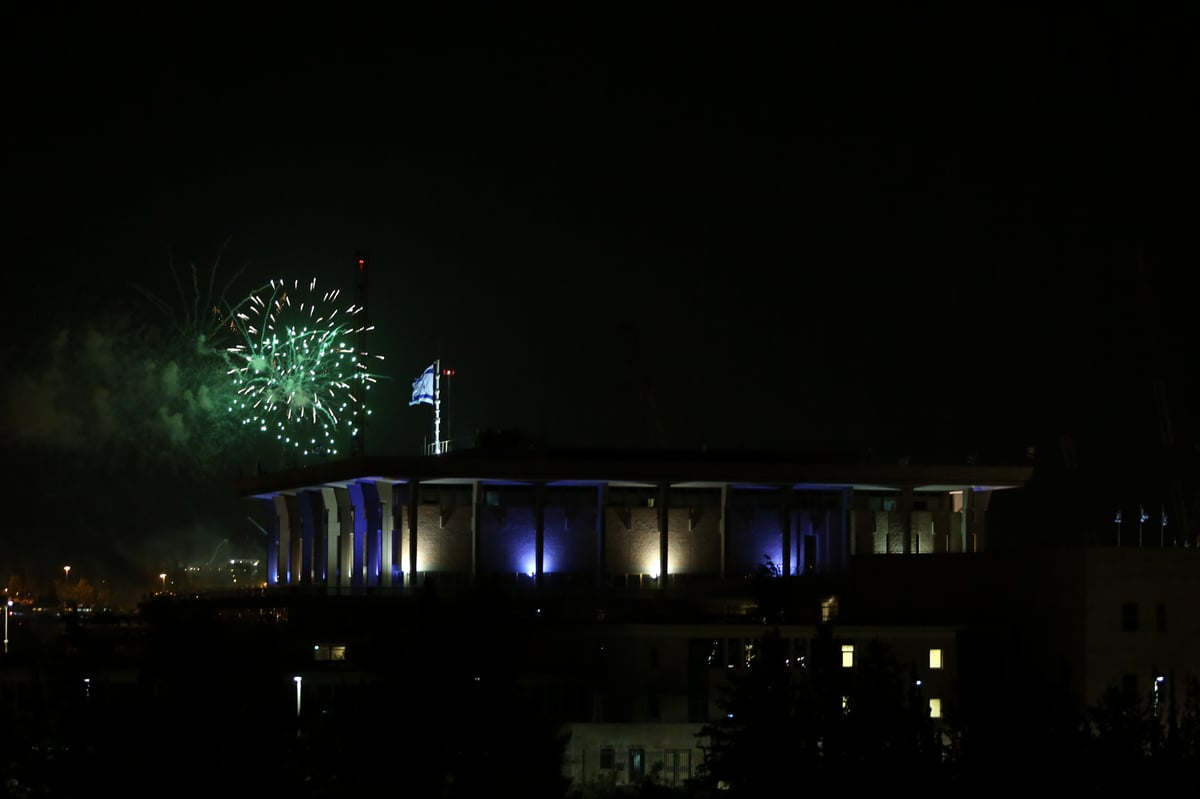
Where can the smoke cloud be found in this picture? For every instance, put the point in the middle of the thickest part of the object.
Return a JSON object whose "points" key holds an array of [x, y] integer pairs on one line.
{"points": [[122, 455]]}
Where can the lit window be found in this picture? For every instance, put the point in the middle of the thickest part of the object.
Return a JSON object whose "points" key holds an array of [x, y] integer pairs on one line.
{"points": [[847, 656], [845, 704], [935, 658], [935, 708], [329, 652], [637, 765], [829, 609]]}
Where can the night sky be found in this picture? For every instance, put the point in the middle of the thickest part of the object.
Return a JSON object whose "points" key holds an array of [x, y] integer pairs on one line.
{"points": [[886, 231]]}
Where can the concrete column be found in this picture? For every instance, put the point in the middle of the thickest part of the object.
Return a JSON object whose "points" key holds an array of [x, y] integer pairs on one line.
{"points": [[663, 506], [539, 522], [844, 516], [332, 566], [275, 535], [601, 534], [307, 503], [289, 538], [723, 530], [978, 516], [963, 525], [358, 515], [785, 528], [413, 489], [368, 510], [477, 496], [850, 521], [387, 532], [906, 525], [345, 525]]}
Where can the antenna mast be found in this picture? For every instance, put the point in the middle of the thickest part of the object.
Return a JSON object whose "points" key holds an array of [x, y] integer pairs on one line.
{"points": [[359, 444]]}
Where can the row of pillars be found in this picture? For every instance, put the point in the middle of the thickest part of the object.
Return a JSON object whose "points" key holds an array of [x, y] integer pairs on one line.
{"points": [[366, 511]]}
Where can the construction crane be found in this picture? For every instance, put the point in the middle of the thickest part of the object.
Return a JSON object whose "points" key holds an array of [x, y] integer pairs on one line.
{"points": [[631, 349], [359, 444], [1145, 469], [1157, 343]]}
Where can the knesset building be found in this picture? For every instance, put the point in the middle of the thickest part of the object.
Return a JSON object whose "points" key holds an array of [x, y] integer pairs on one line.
{"points": [[632, 680], [652, 520]]}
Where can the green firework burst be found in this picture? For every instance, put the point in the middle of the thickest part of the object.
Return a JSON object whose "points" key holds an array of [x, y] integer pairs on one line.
{"points": [[300, 372]]}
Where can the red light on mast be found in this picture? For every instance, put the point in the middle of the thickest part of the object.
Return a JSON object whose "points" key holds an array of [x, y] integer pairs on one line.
{"points": [[448, 372]]}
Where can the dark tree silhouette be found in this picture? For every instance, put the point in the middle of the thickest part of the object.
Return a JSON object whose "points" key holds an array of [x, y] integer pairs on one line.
{"points": [[823, 724]]}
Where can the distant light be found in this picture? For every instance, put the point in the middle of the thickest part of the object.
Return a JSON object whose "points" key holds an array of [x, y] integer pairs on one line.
{"points": [[448, 372]]}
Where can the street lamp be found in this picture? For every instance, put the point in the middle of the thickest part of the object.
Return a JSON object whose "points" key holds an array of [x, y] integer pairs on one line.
{"points": [[7, 610], [163, 577], [67, 574], [298, 679]]}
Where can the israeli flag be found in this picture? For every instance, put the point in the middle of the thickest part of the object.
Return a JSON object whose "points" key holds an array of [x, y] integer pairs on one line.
{"points": [[423, 388]]}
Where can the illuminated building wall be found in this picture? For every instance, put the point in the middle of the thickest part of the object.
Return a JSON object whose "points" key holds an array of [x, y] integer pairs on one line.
{"points": [[570, 539], [633, 541], [694, 540], [936, 529], [362, 535], [379, 531]]}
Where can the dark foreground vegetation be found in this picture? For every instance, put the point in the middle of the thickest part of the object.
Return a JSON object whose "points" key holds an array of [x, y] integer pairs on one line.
{"points": [[184, 719]]}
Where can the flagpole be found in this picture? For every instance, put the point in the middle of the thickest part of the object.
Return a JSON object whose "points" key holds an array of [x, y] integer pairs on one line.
{"points": [[359, 444], [437, 407]]}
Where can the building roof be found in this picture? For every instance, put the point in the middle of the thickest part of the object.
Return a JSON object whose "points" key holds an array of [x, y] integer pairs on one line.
{"points": [[533, 464]]}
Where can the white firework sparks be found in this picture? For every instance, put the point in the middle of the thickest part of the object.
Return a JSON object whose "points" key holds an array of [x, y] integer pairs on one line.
{"points": [[300, 372]]}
